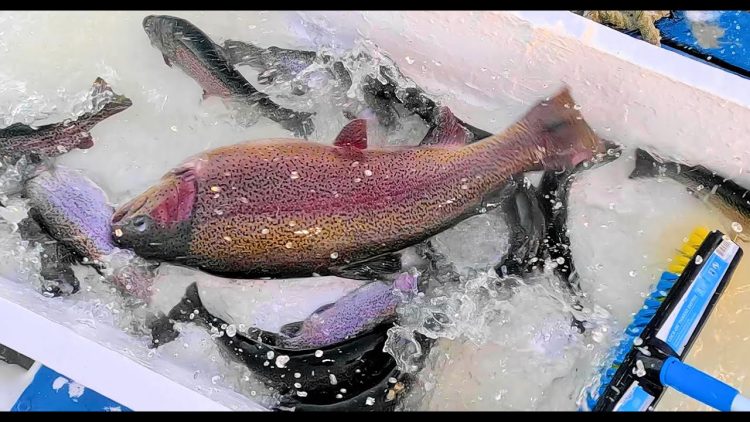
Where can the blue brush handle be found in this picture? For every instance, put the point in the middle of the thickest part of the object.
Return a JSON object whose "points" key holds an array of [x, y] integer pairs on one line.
{"points": [[701, 386]]}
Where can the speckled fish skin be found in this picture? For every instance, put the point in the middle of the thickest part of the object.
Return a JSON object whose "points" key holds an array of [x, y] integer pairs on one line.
{"points": [[74, 210], [288, 208], [356, 313], [76, 213], [183, 44], [52, 140]]}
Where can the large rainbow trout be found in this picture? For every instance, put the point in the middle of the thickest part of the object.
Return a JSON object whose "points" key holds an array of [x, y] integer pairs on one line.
{"points": [[285, 207]]}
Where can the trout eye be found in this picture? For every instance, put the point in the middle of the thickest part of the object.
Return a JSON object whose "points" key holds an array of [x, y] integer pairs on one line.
{"points": [[554, 126], [140, 223]]}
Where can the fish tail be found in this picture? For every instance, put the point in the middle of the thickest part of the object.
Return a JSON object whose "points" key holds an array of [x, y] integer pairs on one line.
{"points": [[102, 88], [646, 165], [553, 135], [105, 102]]}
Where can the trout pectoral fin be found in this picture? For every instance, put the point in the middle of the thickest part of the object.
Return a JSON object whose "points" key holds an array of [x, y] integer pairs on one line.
{"points": [[377, 268], [86, 142], [166, 60], [291, 329], [162, 330]]}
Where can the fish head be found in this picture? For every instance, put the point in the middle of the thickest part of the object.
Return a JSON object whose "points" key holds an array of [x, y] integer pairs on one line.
{"points": [[164, 33], [157, 223]]}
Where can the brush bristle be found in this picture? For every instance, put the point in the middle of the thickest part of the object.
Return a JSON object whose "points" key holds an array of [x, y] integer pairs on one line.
{"points": [[641, 319]]}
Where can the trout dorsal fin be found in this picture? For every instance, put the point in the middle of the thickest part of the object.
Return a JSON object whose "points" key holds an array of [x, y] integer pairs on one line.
{"points": [[353, 135], [447, 130]]}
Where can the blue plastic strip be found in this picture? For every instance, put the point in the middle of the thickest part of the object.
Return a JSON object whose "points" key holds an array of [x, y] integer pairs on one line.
{"points": [[694, 304], [636, 400], [727, 37], [50, 391], [696, 384]]}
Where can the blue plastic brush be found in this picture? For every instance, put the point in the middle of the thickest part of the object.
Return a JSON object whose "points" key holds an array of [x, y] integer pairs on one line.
{"points": [[649, 358]]}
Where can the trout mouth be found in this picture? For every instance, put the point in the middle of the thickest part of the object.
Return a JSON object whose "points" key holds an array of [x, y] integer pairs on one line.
{"points": [[127, 210]]}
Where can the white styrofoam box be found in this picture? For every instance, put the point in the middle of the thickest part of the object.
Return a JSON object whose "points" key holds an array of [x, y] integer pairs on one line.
{"points": [[489, 66]]}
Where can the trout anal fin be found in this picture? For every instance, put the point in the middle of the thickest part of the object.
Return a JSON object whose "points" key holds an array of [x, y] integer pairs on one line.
{"points": [[353, 135], [378, 268]]}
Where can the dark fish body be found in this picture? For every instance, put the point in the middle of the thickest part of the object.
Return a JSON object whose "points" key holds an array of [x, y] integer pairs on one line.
{"points": [[279, 64], [334, 376], [732, 199], [288, 208], [19, 140], [527, 225], [183, 44], [554, 190], [56, 259], [538, 219], [274, 63], [382, 97]]}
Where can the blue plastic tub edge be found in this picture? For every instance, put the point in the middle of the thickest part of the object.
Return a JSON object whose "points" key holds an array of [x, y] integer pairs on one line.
{"points": [[51, 391]]}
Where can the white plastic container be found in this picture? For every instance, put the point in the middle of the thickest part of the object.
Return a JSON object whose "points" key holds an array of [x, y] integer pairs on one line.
{"points": [[488, 65]]}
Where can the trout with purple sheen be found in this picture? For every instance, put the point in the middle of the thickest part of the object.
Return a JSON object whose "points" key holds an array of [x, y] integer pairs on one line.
{"points": [[354, 314], [74, 210], [289, 208]]}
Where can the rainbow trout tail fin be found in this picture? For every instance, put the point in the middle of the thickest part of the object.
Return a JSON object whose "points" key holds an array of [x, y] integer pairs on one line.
{"points": [[561, 136]]}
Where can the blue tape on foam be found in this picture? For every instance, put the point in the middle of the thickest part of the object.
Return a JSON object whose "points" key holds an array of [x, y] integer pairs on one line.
{"points": [[50, 391], [726, 37]]}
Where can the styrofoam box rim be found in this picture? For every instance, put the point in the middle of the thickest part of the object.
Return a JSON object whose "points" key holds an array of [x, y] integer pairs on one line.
{"points": [[96, 366]]}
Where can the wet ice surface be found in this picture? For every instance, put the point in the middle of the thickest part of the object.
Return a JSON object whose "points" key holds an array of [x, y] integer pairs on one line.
{"points": [[501, 350], [498, 348], [263, 304], [484, 360]]}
